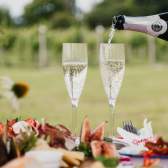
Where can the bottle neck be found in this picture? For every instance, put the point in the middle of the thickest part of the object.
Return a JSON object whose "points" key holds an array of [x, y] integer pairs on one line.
{"points": [[152, 25]]}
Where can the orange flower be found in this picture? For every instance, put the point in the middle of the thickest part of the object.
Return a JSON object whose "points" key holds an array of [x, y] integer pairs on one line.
{"points": [[20, 89], [1, 129], [150, 162]]}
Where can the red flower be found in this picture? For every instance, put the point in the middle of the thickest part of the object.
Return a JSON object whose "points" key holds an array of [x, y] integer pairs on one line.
{"points": [[1, 128], [33, 123], [10, 123]]}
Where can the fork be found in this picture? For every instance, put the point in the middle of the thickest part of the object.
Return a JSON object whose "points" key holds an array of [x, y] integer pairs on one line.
{"points": [[128, 126]]}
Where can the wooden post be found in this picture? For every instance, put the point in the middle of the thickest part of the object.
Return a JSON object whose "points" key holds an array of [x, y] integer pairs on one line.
{"points": [[99, 31], [42, 56], [99, 35], [151, 50]]}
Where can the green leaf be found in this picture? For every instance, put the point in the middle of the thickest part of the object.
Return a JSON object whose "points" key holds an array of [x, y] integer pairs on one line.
{"points": [[18, 119], [85, 149], [25, 142], [108, 162], [28, 143]]}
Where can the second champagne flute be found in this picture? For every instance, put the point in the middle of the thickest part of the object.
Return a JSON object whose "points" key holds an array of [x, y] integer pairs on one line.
{"points": [[75, 63], [112, 67]]}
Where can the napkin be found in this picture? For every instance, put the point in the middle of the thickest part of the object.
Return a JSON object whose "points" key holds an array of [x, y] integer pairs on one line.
{"points": [[136, 143], [43, 159], [146, 131]]}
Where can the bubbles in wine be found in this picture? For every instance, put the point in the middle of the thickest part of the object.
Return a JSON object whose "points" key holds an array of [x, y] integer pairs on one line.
{"points": [[74, 75], [112, 75]]}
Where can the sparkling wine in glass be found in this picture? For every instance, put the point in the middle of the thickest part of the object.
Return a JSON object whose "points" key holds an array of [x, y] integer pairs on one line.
{"points": [[74, 62], [112, 67]]}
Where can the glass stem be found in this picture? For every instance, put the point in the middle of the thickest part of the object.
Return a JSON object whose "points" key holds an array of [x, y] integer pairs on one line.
{"points": [[74, 119], [112, 121]]}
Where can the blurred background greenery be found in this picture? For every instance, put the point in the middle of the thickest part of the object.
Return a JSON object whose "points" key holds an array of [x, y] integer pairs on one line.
{"points": [[145, 86], [65, 22]]}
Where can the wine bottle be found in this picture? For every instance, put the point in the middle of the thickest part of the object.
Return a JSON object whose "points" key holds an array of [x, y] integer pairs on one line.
{"points": [[155, 25]]}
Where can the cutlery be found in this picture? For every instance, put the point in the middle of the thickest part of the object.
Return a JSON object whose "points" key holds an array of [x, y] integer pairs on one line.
{"points": [[128, 126]]}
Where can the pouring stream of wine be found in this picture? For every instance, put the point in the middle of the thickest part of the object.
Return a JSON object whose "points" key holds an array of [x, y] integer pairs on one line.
{"points": [[112, 115], [111, 34]]}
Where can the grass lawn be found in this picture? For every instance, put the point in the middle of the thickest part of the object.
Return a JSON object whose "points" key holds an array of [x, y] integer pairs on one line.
{"points": [[144, 93]]}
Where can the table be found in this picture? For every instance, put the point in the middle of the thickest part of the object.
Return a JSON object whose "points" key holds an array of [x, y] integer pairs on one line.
{"points": [[138, 162]]}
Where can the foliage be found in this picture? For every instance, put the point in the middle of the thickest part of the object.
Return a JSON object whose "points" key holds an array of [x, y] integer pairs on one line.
{"points": [[41, 10], [108, 162], [19, 47], [5, 19], [137, 41], [148, 7], [85, 149], [61, 13], [25, 142], [63, 20], [7, 40], [162, 51], [103, 12]]}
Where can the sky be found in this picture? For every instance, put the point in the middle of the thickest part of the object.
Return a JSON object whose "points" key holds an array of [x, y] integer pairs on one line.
{"points": [[16, 7]]}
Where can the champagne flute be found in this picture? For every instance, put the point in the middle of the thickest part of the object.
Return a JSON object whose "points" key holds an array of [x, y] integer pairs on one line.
{"points": [[75, 63], [112, 67]]}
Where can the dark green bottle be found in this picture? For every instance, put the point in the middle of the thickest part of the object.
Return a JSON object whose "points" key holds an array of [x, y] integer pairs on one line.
{"points": [[155, 25]]}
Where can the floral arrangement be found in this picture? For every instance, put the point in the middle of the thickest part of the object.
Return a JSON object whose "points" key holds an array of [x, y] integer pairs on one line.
{"points": [[20, 136]]}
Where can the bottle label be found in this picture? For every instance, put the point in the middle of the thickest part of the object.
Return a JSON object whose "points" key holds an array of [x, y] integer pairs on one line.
{"points": [[157, 27]]}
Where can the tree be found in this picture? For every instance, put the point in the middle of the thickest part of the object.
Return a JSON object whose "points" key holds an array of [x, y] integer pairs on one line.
{"points": [[102, 13], [42, 10], [149, 7], [5, 19], [63, 20]]}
